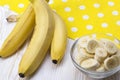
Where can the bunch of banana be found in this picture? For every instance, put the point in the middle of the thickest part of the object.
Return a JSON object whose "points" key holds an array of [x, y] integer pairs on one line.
{"points": [[93, 56], [20, 33], [46, 20]]}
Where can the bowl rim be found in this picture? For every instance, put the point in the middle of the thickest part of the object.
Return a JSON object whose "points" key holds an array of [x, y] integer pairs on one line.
{"points": [[88, 71]]}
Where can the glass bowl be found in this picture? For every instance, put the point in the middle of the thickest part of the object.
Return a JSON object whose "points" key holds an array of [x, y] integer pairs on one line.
{"points": [[89, 73]]}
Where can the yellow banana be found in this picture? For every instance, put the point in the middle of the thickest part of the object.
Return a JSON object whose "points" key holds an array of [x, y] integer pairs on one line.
{"points": [[40, 41], [59, 41], [20, 33]]}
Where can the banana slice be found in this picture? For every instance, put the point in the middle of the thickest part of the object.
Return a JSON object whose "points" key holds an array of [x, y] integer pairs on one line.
{"points": [[80, 58], [90, 64], [82, 55], [92, 44], [118, 54], [101, 44], [82, 42], [103, 40], [111, 62], [110, 47], [101, 68], [100, 54]]}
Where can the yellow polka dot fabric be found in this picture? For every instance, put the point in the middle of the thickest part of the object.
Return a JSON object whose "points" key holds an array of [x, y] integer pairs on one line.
{"points": [[81, 16]]}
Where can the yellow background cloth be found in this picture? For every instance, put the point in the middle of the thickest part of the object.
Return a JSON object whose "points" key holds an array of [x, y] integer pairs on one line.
{"points": [[81, 16]]}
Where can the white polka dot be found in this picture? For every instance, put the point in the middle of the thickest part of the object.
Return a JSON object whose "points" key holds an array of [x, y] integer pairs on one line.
{"points": [[115, 13], [109, 34], [82, 7], [64, 0], [100, 15], [110, 3], [21, 5], [89, 27], [116, 41], [71, 19], [67, 9], [85, 17], [104, 25], [50, 2], [96, 5], [74, 29], [118, 23], [7, 6]]}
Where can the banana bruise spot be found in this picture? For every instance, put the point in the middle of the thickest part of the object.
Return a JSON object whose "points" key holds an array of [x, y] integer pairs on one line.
{"points": [[21, 75], [55, 61]]}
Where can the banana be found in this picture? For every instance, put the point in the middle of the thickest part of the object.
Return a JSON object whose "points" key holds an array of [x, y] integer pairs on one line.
{"points": [[110, 47], [40, 41], [19, 34], [90, 64], [82, 42], [100, 54], [101, 68], [59, 41], [111, 62], [92, 44]]}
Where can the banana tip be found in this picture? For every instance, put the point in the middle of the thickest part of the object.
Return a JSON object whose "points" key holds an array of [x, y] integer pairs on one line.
{"points": [[54, 61], [21, 75]]}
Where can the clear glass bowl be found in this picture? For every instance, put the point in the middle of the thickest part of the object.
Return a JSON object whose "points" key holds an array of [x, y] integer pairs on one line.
{"points": [[94, 74]]}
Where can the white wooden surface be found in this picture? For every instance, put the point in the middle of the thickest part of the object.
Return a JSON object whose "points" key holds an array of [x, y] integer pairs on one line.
{"points": [[48, 71]]}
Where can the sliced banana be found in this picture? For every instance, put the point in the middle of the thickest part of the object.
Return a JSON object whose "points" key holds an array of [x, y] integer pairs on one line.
{"points": [[82, 42], [101, 44], [80, 58], [90, 64], [84, 53], [101, 68], [103, 40], [98, 59], [118, 54], [92, 44], [111, 62], [100, 54], [110, 47]]}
